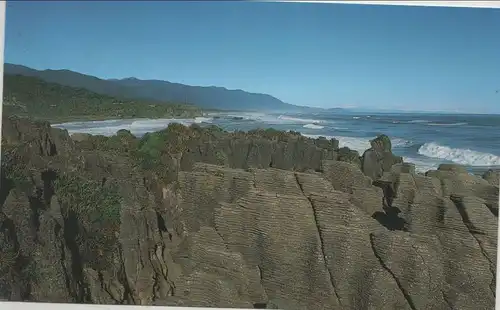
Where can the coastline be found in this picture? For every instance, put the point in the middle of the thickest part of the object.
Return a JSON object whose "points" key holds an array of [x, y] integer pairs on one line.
{"points": [[207, 118]]}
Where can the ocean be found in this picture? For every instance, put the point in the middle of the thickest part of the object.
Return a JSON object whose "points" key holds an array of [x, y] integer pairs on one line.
{"points": [[424, 139]]}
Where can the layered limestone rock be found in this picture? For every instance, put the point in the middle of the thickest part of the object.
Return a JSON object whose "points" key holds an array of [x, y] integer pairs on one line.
{"points": [[491, 176], [256, 220], [379, 158]]}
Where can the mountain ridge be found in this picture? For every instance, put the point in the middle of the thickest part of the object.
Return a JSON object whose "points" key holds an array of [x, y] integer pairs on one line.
{"points": [[208, 97]]}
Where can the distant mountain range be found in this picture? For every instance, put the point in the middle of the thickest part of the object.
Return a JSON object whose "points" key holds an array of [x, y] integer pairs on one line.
{"points": [[162, 91]]}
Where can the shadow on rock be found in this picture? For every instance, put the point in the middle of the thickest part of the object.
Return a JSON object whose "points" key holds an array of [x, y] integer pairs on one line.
{"points": [[390, 219]]}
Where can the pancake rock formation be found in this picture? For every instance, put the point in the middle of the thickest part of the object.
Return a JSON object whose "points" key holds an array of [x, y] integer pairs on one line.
{"points": [[193, 216]]}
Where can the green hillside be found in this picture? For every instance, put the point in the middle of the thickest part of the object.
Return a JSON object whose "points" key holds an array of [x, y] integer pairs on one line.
{"points": [[35, 98]]}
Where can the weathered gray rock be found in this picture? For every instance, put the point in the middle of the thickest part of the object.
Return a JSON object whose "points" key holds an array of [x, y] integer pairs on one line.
{"points": [[447, 224], [80, 137], [381, 144], [457, 182], [452, 168], [259, 149], [213, 275], [241, 220], [350, 156], [403, 168], [379, 158], [344, 176], [37, 137], [492, 176]]}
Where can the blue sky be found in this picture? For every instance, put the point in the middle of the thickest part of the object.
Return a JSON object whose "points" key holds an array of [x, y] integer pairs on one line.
{"points": [[326, 55]]}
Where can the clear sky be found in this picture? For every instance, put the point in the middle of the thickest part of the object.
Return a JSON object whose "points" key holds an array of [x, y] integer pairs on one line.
{"points": [[326, 55]]}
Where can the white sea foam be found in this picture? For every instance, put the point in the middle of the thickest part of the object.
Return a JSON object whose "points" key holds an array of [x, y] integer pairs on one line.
{"points": [[459, 156], [199, 120], [313, 126], [246, 116], [253, 116], [317, 136], [354, 143], [445, 124], [268, 118], [356, 117], [143, 126], [360, 144], [137, 127], [299, 120], [97, 130], [111, 122], [422, 165], [399, 142], [418, 121]]}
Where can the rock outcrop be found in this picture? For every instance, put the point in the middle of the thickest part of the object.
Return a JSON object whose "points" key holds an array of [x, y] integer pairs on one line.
{"points": [[265, 219], [379, 158], [492, 176]]}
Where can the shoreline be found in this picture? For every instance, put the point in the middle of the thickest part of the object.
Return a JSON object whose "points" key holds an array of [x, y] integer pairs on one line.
{"points": [[80, 119], [473, 170], [209, 114]]}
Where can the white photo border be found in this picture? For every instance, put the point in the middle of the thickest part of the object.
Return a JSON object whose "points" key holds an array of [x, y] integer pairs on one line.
{"points": [[5, 305]]}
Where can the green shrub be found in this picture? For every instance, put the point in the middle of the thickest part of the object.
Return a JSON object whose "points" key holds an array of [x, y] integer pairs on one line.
{"points": [[88, 199], [13, 169], [92, 213], [172, 140]]}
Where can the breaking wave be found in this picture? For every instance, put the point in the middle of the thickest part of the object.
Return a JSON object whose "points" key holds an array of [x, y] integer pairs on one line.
{"points": [[199, 120], [459, 156], [360, 144], [399, 142], [299, 120], [313, 126], [446, 124], [422, 165], [418, 121], [111, 127]]}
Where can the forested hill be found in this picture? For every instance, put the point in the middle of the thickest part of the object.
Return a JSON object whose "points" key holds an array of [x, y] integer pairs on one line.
{"points": [[163, 91], [33, 97]]}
